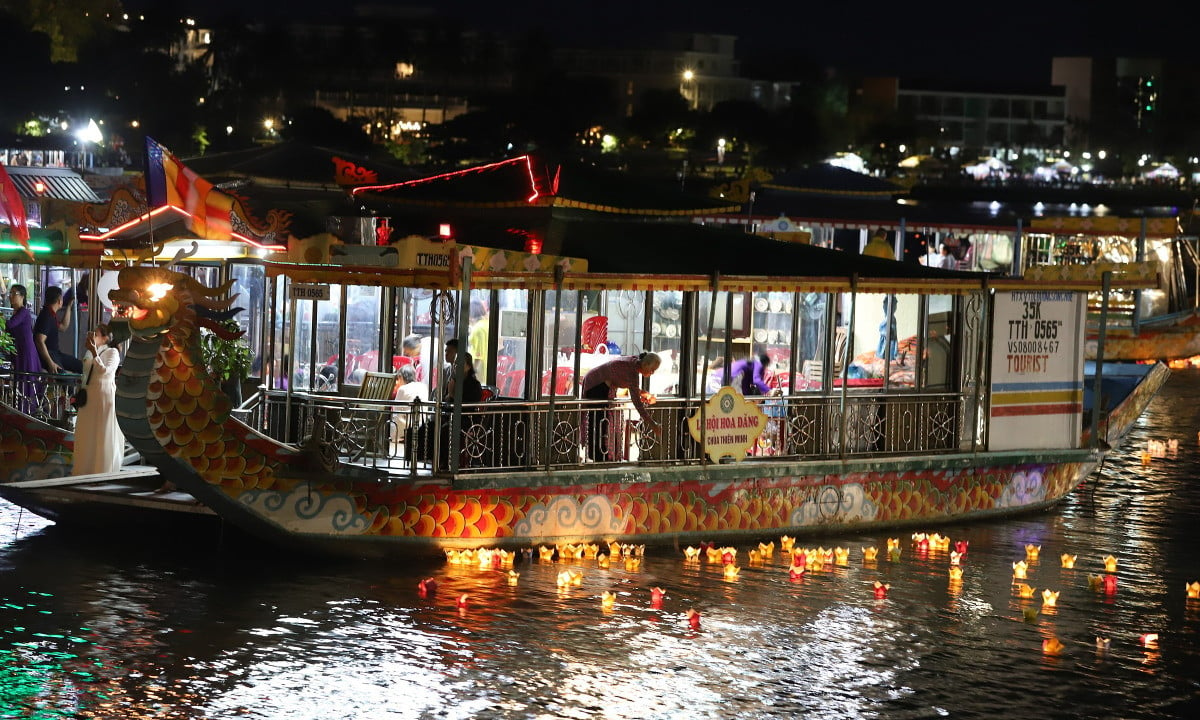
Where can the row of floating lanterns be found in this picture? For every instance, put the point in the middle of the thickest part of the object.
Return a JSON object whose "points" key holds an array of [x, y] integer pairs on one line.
{"points": [[801, 561]]}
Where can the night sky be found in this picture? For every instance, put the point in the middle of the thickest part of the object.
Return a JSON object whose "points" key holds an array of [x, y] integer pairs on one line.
{"points": [[1005, 42]]}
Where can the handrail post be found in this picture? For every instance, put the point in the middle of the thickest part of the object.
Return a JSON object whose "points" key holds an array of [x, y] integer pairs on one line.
{"points": [[1098, 382]]}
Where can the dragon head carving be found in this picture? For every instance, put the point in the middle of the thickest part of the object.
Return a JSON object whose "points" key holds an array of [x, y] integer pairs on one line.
{"points": [[150, 302]]}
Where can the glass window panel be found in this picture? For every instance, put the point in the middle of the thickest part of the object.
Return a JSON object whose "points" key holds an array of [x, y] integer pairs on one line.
{"points": [[626, 312], [812, 309], [884, 348], [249, 285], [511, 344], [364, 313], [772, 334], [666, 338], [938, 365], [558, 352]]}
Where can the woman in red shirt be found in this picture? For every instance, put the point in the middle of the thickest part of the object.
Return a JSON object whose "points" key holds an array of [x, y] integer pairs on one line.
{"points": [[602, 383]]}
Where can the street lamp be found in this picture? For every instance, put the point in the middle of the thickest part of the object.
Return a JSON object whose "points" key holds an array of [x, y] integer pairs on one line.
{"points": [[689, 89]]}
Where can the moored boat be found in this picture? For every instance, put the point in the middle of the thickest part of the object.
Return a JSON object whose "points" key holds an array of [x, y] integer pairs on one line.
{"points": [[977, 409]]}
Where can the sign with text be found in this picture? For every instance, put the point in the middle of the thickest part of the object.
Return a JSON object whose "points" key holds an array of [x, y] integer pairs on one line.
{"points": [[732, 425], [1037, 370], [308, 291]]}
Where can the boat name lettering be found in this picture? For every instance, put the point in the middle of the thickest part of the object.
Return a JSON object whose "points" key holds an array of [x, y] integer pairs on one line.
{"points": [[726, 423], [433, 259], [1022, 364], [1043, 296], [1033, 347]]}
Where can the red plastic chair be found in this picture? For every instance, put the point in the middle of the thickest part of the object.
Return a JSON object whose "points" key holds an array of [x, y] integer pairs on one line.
{"points": [[512, 383], [562, 383], [504, 363], [593, 333]]}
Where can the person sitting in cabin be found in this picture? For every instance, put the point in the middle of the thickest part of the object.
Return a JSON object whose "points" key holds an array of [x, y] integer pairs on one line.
{"points": [[602, 383], [408, 390], [99, 443]]}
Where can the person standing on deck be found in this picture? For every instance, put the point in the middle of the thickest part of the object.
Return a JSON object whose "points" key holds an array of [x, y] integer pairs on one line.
{"points": [[20, 326], [99, 443], [602, 383], [45, 334]]}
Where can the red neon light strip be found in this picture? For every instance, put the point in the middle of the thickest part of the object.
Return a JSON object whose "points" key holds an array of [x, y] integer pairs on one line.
{"points": [[1051, 409], [456, 173], [160, 210]]}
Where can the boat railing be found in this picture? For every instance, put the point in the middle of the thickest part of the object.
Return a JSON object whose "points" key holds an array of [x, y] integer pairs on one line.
{"points": [[510, 435], [44, 396]]}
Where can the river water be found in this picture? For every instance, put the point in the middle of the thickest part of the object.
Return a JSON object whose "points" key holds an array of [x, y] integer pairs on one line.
{"points": [[160, 627]]}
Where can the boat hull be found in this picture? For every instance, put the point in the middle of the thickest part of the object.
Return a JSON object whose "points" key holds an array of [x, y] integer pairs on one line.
{"points": [[752, 500], [1174, 338]]}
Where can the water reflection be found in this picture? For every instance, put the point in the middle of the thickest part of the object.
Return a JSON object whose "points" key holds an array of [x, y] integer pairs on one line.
{"points": [[154, 627]]}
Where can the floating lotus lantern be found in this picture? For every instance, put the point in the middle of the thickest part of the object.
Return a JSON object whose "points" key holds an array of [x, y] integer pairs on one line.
{"points": [[1020, 568], [691, 554], [513, 577], [577, 552], [607, 599], [1050, 598], [894, 555], [462, 601], [1145, 457], [713, 555], [564, 579], [1068, 560], [427, 587], [1110, 584], [1103, 643], [1024, 590], [955, 558], [767, 550], [893, 543], [576, 577], [961, 546], [632, 564], [841, 556], [728, 555], [786, 542], [1095, 582], [1052, 646], [881, 590], [817, 564], [731, 572], [939, 542], [693, 618], [1149, 640], [1030, 614], [1193, 590], [614, 549], [1173, 446], [754, 557], [956, 572], [1032, 552], [591, 551], [870, 553], [656, 597], [545, 553], [603, 560], [1110, 564], [800, 559]]}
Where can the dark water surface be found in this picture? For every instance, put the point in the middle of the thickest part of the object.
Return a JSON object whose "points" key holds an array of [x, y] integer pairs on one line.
{"points": [[158, 627]]}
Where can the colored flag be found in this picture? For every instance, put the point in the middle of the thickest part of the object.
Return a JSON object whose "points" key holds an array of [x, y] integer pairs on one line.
{"points": [[14, 209], [170, 182]]}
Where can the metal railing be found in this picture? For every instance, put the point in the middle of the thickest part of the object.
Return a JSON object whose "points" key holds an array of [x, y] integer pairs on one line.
{"points": [[507, 436], [45, 396]]}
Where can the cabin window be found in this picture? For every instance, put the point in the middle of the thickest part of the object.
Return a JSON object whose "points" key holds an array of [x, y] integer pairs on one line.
{"points": [[666, 339], [884, 349], [809, 351], [937, 365], [364, 309], [512, 332], [561, 311], [771, 335], [249, 283], [316, 335]]}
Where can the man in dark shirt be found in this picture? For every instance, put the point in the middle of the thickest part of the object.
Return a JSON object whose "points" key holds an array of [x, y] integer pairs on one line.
{"points": [[45, 335]]}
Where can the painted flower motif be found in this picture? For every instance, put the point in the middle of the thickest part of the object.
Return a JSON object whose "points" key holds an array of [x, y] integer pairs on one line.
{"points": [[1023, 488]]}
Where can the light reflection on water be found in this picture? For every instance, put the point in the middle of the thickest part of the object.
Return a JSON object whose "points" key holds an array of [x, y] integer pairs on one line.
{"points": [[147, 628]]}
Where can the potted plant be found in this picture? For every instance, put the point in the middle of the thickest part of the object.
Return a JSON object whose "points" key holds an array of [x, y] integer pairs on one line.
{"points": [[228, 361], [8, 347]]}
